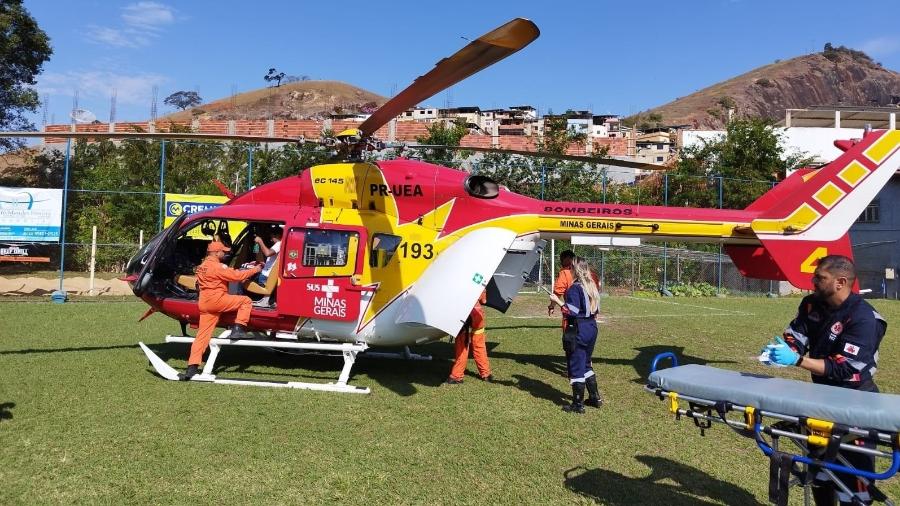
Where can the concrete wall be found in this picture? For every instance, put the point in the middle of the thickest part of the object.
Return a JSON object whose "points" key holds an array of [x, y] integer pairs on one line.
{"points": [[876, 246]]}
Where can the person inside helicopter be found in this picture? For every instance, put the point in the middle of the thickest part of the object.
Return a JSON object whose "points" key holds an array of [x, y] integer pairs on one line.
{"points": [[266, 282]]}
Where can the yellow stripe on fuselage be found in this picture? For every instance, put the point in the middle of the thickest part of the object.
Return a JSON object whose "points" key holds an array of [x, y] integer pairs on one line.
{"points": [[797, 221]]}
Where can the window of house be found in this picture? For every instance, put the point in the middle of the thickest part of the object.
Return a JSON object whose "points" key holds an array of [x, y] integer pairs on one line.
{"points": [[659, 158], [870, 214], [383, 248]]}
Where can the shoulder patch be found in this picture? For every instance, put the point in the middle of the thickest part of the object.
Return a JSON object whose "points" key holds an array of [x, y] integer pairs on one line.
{"points": [[851, 349], [837, 328]]}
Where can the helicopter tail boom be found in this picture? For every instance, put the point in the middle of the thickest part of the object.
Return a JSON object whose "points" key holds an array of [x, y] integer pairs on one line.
{"points": [[808, 215]]}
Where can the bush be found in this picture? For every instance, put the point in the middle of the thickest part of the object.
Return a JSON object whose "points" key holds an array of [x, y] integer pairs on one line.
{"points": [[764, 82], [698, 289]]}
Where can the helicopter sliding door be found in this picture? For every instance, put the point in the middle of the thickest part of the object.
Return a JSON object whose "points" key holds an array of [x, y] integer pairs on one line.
{"points": [[319, 272]]}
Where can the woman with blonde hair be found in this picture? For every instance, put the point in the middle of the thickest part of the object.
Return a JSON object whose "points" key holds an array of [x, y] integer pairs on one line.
{"points": [[582, 304]]}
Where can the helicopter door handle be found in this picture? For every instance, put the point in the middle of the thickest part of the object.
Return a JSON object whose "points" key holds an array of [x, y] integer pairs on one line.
{"points": [[652, 226]]}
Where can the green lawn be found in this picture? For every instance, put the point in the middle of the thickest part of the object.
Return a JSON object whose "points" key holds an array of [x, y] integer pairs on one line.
{"points": [[85, 420]]}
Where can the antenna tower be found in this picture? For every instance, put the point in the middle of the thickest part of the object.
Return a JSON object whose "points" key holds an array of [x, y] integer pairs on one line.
{"points": [[45, 105], [74, 106], [153, 103], [112, 106]]}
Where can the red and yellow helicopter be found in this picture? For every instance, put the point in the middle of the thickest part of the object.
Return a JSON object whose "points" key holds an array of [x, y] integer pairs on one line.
{"points": [[395, 253]]}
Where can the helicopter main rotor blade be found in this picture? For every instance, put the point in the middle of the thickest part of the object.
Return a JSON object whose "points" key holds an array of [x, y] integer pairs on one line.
{"points": [[477, 55], [153, 135], [586, 159]]}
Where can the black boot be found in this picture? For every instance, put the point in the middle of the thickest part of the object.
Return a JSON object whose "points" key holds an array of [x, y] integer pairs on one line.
{"points": [[577, 405], [593, 399], [191, 371], [238, 331]]}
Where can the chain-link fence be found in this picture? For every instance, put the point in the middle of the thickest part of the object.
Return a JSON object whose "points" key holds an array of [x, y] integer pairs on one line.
{"points": [[120, 188], [658, 269]]}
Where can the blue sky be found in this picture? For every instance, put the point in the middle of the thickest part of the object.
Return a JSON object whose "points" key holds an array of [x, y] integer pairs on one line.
{"points": [[612, 57]]}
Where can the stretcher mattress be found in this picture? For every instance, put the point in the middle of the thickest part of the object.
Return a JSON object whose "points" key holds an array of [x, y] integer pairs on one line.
{"points": [[864, 410]]}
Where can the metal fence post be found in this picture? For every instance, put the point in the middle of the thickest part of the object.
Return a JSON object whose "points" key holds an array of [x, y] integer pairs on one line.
{"points": [[249, 168], [665, 280], [603, 183], [62, 235], [719, 277], [543, 179], [162, 182]]}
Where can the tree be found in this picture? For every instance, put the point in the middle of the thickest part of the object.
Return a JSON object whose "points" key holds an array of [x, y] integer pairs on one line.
{"points": [[183, 99], [24, 48], [746, 162], [440, 133], [274, 75]]}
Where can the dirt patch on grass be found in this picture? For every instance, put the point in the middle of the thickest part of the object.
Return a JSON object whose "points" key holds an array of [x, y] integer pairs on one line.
{"points": [[30, 285]]}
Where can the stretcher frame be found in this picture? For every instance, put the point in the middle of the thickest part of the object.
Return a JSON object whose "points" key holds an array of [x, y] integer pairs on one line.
{"points": [[819, 434]]}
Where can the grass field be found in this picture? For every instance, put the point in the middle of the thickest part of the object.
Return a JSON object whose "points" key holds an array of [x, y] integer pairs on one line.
{"points": [[84, 420]]}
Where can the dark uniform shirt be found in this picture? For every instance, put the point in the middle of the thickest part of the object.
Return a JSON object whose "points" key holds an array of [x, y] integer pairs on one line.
{"points": [[846, 337]]}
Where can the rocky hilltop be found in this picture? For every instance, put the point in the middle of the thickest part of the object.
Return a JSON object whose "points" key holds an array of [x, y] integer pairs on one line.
{"points": [[296, 100], [838, 76]]}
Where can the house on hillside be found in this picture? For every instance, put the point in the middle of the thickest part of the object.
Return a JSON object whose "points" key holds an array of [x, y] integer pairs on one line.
{"points": [[418, 114]]}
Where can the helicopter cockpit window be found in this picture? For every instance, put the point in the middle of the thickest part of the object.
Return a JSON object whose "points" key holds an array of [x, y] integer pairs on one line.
{"points": [[482, 187], [323, 248], [383, 248]]}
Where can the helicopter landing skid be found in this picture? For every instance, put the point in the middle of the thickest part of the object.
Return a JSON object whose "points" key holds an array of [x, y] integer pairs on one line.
{"points": [[348, 350]]}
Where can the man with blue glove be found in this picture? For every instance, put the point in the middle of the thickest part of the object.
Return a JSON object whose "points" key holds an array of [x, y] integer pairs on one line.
{"points": [[835, 336]]}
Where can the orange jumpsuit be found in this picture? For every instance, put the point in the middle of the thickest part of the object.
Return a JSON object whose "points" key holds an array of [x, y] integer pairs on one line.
{"points": [[212, 279], [472, 336]]}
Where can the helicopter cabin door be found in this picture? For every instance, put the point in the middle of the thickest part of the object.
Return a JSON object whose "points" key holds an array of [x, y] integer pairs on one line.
{"points": [[320, 271]]}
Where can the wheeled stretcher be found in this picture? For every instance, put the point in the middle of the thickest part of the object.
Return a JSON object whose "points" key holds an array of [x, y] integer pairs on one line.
{"points": [[825, 424]]}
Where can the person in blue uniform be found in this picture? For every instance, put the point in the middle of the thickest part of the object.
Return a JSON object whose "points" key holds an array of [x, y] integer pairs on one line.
{"points": [[580, 308], [835, 337]]}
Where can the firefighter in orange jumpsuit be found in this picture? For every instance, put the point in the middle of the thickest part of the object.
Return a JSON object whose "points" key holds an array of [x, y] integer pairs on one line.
{"points": [[212, 279], [472, 336]]}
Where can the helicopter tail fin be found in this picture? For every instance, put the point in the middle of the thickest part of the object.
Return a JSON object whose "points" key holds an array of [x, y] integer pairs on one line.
{"points": [[792, 260], [808, 215]]}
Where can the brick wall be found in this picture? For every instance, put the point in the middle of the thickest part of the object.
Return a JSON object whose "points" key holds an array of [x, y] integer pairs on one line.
{"points": [[405, 131]]}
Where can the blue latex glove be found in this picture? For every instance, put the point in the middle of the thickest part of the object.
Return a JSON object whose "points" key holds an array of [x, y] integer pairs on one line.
{"points": [[783, 354]]}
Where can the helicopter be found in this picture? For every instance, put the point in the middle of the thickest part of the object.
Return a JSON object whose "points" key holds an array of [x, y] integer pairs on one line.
{"points": [[395, 253]]}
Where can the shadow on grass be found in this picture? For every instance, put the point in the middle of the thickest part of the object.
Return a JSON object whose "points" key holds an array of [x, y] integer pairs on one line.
{"points": [[669, 482], [5, 414], [403, 377], [400, 376], [641, 362], [29, 351], [554, 325], [537, 389]]}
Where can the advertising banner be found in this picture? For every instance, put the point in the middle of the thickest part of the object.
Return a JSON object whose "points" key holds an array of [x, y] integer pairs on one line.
{"points": [[179, 203], [24, 252], [30, 214]]}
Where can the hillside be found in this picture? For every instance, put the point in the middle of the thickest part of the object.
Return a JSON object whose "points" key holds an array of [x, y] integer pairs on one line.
{"points": [[837, 77], [302, 99]]}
